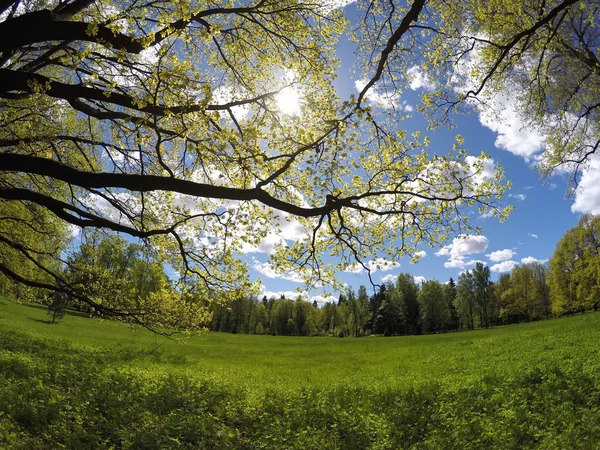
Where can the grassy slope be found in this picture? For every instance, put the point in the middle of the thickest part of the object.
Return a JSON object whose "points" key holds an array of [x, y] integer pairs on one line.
{"points": [[527, 386]]}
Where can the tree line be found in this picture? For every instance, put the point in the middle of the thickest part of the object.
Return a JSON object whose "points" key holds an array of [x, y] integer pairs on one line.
{"points": [[396, 309]]}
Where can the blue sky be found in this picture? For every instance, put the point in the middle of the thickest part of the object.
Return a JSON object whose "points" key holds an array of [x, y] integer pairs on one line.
{"points": [[541, 216]]}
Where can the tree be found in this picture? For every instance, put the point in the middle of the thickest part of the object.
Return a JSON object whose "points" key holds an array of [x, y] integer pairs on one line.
{"points": [[465, 299], [58, 306], [542, 56], [483, 286], [169, 124], [574, 278], [127, 281], [31, 244], [388, 321], [434, 307], [450, 294], [542, 290], [522, 292], [507, 310], [406, 295]]}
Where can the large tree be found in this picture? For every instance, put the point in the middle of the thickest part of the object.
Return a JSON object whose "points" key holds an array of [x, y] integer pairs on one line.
{"points": [[483, 293], [540, 58], [574, 277], [177, 123], [433, 304]]}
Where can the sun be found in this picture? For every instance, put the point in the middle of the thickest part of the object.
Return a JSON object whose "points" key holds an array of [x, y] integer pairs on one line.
{"points": [[288, 101]]}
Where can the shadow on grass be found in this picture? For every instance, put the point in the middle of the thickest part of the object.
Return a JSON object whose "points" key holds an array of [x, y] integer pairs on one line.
{"points": [[47, 321], [68, 312]]}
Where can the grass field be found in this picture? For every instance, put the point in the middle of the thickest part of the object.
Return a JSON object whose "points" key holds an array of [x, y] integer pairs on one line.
{"points": [[92, 384]]}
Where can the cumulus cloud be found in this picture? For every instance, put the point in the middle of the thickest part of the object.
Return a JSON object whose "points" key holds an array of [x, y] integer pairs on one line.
{"points": [[587, 195], [421, 254], [419, 79], [501, 255], [504, 266], [513, 135], [498, 112], [330, 5], [283, 228], [373, 265], [293, 295], [532, 235], [267, 269], [460, 263], [463, 245], [419, 279], [74, 230], [519, 197], [389, 278], [531, 260]]}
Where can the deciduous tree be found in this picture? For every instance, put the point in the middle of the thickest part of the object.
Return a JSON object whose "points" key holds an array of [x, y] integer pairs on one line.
{"points": [[168, 122]]}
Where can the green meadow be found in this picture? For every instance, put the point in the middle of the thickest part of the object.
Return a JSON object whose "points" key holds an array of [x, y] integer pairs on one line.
{"points": [[89, 383]]}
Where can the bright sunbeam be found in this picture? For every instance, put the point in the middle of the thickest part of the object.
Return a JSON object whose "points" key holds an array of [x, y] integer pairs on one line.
{"points": [[288, 101]]}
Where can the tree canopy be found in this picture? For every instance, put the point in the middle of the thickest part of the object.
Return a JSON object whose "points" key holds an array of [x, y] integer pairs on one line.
{"points": [[202, 128]]}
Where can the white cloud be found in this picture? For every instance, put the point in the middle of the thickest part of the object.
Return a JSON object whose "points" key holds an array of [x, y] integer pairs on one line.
{"points": [[460, 263], [532, 235], [498, 112], [419, 279], [419, 79], [421, 254], [501, 255], [389, 278], [527, 188], [293, 295], [354, 268], [488, 169], [587, 195], [267, 269], [463, 245], [505, 266], [330, 5], [373, 265], [385, 100], [501, 116], [519, 197], [531, 260]]}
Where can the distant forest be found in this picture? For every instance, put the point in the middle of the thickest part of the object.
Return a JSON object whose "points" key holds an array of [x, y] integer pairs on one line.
{"points": [[570, 283]]}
